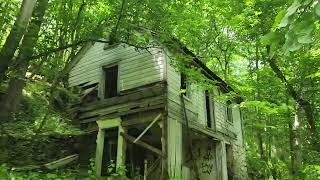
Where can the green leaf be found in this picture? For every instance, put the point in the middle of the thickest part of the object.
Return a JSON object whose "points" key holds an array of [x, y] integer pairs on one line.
{"points": [[278, 19], [317, 9], [270, 38], [317, 74], [291, 10], [305, 39]]}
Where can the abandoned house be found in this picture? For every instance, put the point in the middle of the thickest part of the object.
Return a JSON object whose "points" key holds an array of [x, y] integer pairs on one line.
{"points": [[137, 117]]}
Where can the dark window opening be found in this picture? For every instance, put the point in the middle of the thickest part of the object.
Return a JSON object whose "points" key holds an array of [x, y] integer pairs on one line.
{"points": [[111, 82], [109, 152], [208, 108], [183, 85], [229, 111]]}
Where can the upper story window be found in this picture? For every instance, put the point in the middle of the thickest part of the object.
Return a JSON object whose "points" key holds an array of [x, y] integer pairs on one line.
{"points": [[110, 81], [229, 112], [209, 109], [184, 85]]}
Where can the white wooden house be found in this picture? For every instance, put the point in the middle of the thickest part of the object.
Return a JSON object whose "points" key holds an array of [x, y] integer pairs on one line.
{"points": [[133, 105]]}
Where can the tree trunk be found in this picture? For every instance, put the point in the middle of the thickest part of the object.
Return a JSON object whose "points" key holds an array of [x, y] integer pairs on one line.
{"points": [[60, 76], [15, 35], [297, 139], [291, 145], [304, 104], [17, 82]]}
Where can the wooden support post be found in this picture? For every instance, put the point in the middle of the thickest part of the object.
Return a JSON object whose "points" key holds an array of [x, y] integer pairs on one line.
{"points": [[147, 128], [121, 151], [163, 126], [145, 170], [99, 151]]}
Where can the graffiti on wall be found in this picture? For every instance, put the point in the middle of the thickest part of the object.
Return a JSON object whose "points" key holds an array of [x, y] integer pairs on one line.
{"points": [[207, 161]]}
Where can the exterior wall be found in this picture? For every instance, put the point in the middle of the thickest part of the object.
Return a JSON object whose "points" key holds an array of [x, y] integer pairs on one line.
{"points": [[195, 107], [196, 112], [238, 149], [136, 68], [195, 102], [206, 159], [174, 149]]}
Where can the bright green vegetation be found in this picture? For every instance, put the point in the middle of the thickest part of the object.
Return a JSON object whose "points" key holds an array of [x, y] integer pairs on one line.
{"points": [[268, 50]]}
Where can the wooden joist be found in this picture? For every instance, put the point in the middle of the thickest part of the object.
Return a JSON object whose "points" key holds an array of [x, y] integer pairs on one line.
{"points": [[125, 107], [119, 114], [142, 93], [143, 144]]}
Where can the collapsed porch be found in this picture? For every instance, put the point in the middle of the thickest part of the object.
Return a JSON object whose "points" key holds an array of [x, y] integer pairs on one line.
{"points": [[134, 125]]}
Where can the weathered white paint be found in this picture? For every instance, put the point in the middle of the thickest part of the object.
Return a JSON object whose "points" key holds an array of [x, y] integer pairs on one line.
{"points": [[195, 101], [222, 173], [99, 151], [136, 68], [238, 149], [174, 149]]}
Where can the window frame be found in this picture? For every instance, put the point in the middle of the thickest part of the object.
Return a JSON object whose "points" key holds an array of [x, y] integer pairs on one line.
{"points": [[229, 112], [187, 94], [103, 80]]}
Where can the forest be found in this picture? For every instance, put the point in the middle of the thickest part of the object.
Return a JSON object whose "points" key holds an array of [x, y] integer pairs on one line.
{"points": [[268, 51]]}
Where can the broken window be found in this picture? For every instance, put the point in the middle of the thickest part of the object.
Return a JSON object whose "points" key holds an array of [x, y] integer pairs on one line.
{"points": [[229, 111], [183, 84], [110, 81], [208, 109]]}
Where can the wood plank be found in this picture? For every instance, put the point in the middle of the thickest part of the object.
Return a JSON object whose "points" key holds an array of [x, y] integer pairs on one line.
{"points": [[124, 107], [99, 151], [157, 89], [109, 123], [61, 162], [143, 144], [140, 80], [103, 57], [121, 151], [114, 115]]}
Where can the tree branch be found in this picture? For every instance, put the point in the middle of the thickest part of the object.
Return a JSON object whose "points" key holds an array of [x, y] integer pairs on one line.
{"points": [[293, 93]]}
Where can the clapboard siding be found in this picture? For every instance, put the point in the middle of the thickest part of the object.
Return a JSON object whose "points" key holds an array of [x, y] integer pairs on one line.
{"points": [[195, 103], [98, 56], [136, 68], [174, 149]]}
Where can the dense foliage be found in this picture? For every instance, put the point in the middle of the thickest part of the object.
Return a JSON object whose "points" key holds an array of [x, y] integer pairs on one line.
{"points": [[268, 50]]}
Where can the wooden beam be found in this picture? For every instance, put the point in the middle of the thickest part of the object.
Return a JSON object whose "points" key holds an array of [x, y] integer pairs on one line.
{"points": [[121, 151], [125, 123], [109, 123], [134, 96], [147, 128], [99, 151], [143, 144], [124, 107], [61, 162], [163, 126]]}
